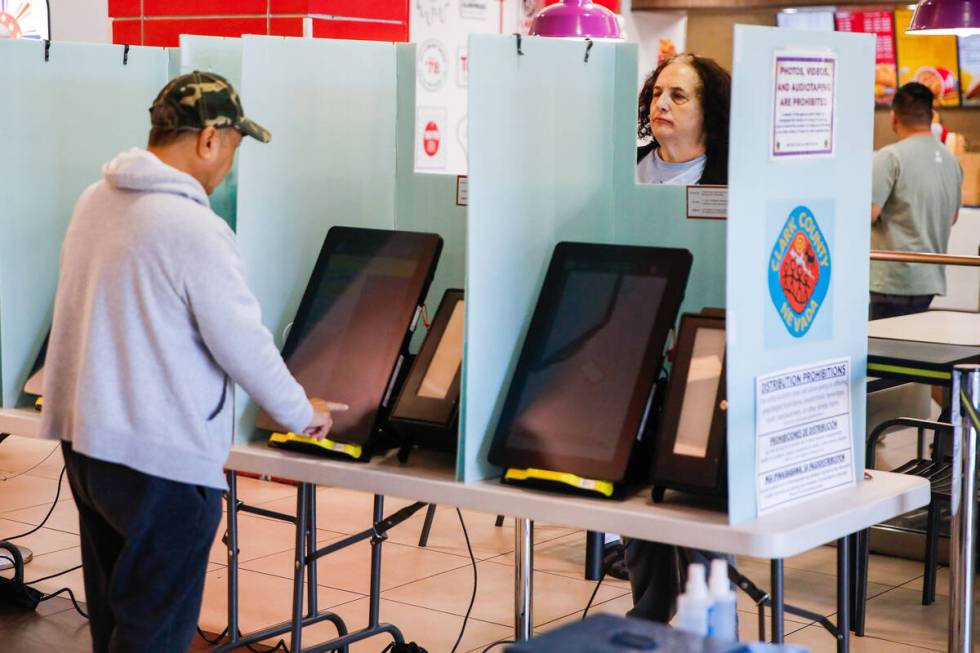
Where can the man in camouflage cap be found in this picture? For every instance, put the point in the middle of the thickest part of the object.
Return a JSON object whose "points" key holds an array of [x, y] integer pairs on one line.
{"points": [[153, 325]]}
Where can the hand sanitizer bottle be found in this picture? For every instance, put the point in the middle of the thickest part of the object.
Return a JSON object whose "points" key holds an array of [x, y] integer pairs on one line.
{"points": [[722, 622], [693, 604]]}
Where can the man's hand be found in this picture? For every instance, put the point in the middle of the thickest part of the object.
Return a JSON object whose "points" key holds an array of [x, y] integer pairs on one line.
{"points": [[322, 419]]}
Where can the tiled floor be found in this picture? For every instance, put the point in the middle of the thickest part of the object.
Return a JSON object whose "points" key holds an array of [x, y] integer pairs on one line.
{"points": [[425, 591]]}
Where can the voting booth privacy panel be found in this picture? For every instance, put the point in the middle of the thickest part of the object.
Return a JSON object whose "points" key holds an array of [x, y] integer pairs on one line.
{"points": [[67, 110], [797, 281], [341, 115], [552, 158]]}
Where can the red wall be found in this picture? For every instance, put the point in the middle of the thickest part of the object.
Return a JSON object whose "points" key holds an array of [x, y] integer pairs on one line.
{"points": [[163, 21]]}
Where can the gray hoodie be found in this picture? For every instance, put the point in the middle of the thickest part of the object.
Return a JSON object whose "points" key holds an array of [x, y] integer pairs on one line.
{"points": [[151, 317]]}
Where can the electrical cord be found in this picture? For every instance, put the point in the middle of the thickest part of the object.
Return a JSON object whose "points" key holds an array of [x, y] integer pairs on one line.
{"points": [[588, 606], [31, 469], [44, 521], [469, 548], [60, 573], [499, 642], [71, 595]]}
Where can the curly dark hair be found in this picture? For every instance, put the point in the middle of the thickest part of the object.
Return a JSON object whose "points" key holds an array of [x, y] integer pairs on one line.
{"points": [[715, 93]]}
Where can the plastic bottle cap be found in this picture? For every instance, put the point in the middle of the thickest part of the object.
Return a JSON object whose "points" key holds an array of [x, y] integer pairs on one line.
{"points": [[719, 583], [696, 585]]}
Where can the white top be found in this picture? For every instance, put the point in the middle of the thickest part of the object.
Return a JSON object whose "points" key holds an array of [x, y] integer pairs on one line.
{"points": [[653, 170], [681, 520], [943, 327]]}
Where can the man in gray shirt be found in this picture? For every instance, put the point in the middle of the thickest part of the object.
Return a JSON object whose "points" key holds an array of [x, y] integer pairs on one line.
{"points": [[915, 200], [153, 323]]}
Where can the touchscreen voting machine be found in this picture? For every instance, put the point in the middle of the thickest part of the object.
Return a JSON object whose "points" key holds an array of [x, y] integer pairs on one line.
{"points": [[426, 413], [692, 433], [351, 333], [576, 411]]}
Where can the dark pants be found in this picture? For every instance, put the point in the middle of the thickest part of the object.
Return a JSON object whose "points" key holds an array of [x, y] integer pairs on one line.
{"points": [[883, 306], [658, 573], [145, 544]]}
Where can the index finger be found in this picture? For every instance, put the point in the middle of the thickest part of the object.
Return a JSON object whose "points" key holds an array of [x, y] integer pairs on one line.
{"points": [[334, 406]]}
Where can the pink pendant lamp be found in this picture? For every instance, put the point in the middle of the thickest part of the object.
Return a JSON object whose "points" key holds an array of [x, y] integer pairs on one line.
{"points": [[954, 17], [576, 19]]}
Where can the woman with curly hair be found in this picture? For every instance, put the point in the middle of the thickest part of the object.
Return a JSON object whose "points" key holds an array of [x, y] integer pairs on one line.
{"points": [[684, 108]]}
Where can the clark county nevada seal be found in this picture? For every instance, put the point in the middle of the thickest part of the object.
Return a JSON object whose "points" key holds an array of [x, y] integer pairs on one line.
{"points": [[799, 271]]}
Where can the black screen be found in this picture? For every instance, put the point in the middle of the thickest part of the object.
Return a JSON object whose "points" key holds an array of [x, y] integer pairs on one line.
{"points": [[354, 320], [580, 382], [591, 357]]}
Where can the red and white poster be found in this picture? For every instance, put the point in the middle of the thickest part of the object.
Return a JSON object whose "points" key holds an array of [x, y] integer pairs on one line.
{"points": [[441, 30], [881, 24]]}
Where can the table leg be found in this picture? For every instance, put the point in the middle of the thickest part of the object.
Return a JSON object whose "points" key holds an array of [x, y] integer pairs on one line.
{"points": [[777, 597], [844, 593], [374, 616], [231, 521], [311, 582], [302, 505], [595, 545], [523, 578]]}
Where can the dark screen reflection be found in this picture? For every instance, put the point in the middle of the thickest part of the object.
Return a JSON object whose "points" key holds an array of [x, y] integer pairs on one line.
{"points": [[350, 335], [581, 378]]}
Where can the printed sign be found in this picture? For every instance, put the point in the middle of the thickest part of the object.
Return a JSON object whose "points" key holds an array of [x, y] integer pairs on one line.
{"points": [[970, 70], [431, 65], [24, 19], [881, 24], [804, 105], [707, 202], [430, 150], [442, 29], [462, 190], [929, 60], [799, 271], [804, 444]]}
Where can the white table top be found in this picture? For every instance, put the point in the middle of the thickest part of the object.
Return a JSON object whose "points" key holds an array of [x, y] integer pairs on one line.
{"points": [[680, 520], [943, 327]]}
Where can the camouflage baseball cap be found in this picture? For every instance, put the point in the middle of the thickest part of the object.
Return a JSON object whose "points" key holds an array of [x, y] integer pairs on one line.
{"points": [[198, 100]]}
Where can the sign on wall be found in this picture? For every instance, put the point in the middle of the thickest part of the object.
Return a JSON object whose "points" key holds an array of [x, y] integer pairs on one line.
{"points": [[881, 24], [970, 70], [24, 19], [441, 29], [929, 60]]}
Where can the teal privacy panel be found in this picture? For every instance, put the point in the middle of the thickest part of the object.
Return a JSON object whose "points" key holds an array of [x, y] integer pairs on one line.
{"points": [[222, 56], [541, 171], [656, 215], [426, 202], [331, 107], [63, 120], [764, 190]]}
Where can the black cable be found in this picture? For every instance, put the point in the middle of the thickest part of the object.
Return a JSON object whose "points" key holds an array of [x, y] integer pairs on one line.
{"points": [[31, 469], [60, 573], [588, 605], [212, 642], [498, 643], [54, 504], [469, 548], [71, 595]]}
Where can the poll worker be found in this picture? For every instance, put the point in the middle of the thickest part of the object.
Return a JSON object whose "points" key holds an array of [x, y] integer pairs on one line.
{"points": [[153, 324], [683, 114], [683, 111], [915, 200]]}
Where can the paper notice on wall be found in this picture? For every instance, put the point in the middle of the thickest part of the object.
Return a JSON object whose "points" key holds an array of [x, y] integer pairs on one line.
{"points": [[441, 29], [804, 444], [970, 70], [804, 104]]}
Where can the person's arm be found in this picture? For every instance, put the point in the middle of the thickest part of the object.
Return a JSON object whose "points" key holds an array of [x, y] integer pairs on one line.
{"points": [[230, 323], [884, 174]]}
